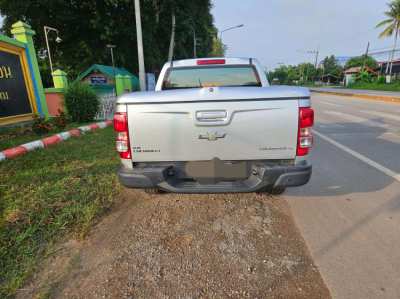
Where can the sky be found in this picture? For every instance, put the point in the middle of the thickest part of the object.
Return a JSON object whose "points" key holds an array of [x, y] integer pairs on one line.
{"points": [[282, 31]]}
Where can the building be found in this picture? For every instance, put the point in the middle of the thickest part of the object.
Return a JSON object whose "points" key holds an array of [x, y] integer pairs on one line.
{"points": [[102, 77], [395, 68], [351, 73]]}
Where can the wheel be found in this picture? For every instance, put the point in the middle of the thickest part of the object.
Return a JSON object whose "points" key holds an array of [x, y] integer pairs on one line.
{"points": [[272, 190], [153, 191]]}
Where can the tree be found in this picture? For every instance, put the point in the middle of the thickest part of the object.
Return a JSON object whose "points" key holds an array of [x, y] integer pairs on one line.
{"points": [[279, 75], [218, 48], [392, 27], [294, 74], [331, 67], [285, 74], [362, 61], [87, 26], [308, 72]]}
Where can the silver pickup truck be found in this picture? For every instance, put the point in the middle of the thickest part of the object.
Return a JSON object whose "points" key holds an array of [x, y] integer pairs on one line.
{"points": [[214, 125]]}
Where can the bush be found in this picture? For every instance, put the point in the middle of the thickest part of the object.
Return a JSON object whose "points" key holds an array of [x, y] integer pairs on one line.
{"points": [[364, 77], [381, 80], [41, 125], [81, 102], [59, 121]]}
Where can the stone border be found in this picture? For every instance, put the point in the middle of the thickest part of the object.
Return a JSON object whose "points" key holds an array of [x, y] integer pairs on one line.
{"points": [[22, 149], [382, 98]]}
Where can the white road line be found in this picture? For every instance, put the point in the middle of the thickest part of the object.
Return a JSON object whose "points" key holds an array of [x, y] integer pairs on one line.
{"points": [[331, 104], [382, 114], [361, 157], [357, 119], [330, 126], [347, 116]]}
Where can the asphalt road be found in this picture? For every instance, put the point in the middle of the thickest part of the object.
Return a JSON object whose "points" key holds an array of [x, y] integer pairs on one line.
{"points": [[349, 214]]}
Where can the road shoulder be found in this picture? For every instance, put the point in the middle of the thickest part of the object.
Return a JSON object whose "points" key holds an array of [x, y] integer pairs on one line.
{"points": [[217, 246], [358, 95]]}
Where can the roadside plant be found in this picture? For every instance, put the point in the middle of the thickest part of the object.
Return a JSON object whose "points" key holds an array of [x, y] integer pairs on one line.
{"points": [[60, 121], [364, 77], [41, 125], [381, 80], [81, 102]]}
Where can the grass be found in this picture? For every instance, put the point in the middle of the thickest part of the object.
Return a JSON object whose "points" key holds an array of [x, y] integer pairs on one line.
{"points": [[10, 137], [48, 194], [395, 86]]}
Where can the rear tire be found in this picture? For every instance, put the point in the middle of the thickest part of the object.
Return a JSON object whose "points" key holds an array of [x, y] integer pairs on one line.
{"points": [[276, 190], [273, 191]]}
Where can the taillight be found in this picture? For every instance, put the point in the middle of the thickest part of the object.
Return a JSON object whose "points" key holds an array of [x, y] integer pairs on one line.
{"points": [[120, 122], [210, 61], [304, 136], [122, 141]]}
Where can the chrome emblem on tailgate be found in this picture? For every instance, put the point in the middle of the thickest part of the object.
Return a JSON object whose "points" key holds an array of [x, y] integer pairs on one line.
{"points": [[212, 136]]}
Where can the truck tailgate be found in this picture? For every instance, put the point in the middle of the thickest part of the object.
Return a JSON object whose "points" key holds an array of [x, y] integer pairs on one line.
{"points": [[260, 129]]}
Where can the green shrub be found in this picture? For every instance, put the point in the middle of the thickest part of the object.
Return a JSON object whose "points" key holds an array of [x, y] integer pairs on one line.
{"points": [[365, 77], [81, 102], [41, 125], [381, 80]]}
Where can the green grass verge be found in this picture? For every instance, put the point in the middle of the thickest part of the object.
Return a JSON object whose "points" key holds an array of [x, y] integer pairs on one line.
{"points": [[376, 86], [47, 194], [10, 137]]}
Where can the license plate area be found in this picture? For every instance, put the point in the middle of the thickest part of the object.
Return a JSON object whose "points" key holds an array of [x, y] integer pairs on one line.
{"points": [[217, 169]]}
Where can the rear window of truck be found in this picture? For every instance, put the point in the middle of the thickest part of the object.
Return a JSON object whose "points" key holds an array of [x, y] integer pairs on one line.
{"points": [[211, 76]]}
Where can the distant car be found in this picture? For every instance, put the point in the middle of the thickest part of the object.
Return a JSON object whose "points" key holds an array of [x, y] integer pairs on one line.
{"points": [[214, 125]]}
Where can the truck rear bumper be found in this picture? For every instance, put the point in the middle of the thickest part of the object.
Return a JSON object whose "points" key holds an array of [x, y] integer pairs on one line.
{"points": [[170, 178]]}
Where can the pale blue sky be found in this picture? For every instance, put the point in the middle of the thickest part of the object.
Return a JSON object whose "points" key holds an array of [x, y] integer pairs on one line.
{"points": [[282, 30]]}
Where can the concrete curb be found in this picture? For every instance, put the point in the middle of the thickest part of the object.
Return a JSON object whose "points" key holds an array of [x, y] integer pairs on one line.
{"points": [[382, 98], [22, 149]]}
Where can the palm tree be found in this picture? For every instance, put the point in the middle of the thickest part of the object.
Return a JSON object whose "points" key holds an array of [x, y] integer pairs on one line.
{"points": [[392, 27]]}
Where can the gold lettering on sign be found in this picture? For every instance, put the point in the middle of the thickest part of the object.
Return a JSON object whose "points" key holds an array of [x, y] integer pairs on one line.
{"points": [[4, 96], [5, 72]]}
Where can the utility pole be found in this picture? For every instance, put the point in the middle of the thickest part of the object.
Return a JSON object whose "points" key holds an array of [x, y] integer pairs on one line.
{"points": [[194, 43], [394, 50], [142, 74], [111, 47], [316, 52], [172, 41], [387, 63], [366, 56], [316, 59]]}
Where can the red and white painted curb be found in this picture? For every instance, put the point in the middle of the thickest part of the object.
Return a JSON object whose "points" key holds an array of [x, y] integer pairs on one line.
{"points": [[48, 141]]}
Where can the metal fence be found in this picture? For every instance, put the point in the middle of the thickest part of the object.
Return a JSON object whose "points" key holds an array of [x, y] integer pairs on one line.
{"points": [[107, 106]]}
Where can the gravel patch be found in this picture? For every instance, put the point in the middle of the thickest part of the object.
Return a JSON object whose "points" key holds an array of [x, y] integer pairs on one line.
{"points": [[185, 246]]}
